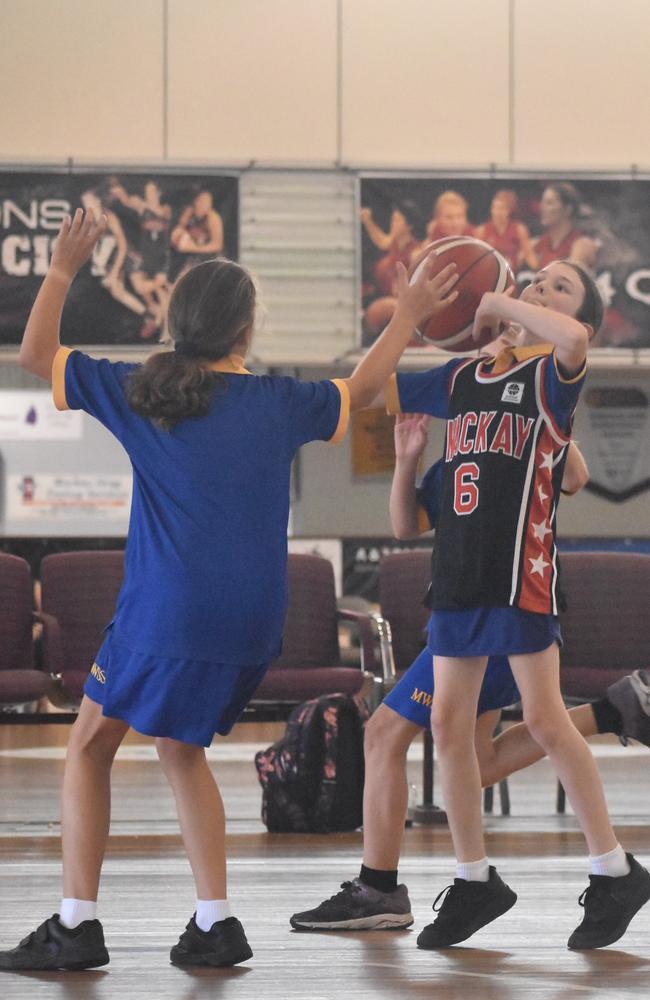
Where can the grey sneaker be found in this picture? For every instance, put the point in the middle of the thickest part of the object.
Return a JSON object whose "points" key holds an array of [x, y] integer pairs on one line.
{"points": [[631, 696], [358, 907]]}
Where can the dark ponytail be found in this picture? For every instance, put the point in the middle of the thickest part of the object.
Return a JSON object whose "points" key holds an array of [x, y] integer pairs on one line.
{"points": [[211, 308]]}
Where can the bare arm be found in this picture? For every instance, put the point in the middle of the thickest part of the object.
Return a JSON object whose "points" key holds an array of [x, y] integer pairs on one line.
{"points": [[73, 247], [425, 297], [576, 471], [410, 442], [381, 239], [568, 335]]}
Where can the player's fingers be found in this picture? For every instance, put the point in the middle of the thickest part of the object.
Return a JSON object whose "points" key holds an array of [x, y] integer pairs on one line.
{"points": [[65, 225], [447, 285], [443, 276], [448, 300], [77, 221], [511, 290], [401, 277]]}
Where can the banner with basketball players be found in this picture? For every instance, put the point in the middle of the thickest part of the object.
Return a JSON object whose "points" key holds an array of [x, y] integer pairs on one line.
{"points": [[603, 224], [158, 225]]}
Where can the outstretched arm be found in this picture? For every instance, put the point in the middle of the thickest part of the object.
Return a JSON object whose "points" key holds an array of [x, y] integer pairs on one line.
{"points": [[426, 297], [73, 247]]}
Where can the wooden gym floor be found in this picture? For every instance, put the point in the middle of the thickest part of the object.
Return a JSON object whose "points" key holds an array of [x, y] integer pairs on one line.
{"points": [[147, 893]]}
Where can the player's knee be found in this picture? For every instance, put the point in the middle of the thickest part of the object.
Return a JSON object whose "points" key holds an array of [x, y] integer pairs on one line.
{"points": [[546, 726], [175, 755], [447, 727], [383, 737], [99, 742]]}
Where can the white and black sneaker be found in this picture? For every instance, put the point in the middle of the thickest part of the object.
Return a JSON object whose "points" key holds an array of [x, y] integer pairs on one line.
{"points": [[631, 697], [358, 907]]}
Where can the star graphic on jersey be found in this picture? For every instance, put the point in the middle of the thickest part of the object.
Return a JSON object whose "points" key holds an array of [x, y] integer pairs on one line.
{"points": [[547, 460], [538, 565], [541, 494], [541, 530]]}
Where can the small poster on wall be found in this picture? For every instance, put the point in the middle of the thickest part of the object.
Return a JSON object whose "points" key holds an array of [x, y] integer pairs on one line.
{"points": [[158, 226], [30, 415], [100, 496]]}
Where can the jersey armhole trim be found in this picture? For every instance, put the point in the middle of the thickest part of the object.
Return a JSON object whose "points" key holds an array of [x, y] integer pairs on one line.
{"points": [[391, 393], [344, 413], [575, 378], [58, 378]]}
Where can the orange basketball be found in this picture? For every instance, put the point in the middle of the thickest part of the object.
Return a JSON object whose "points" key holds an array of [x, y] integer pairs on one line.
{"points": [[481, 269]]}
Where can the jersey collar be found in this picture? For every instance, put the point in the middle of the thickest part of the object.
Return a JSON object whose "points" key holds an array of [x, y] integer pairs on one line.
{"points": [[233, 364], [512, 355]]}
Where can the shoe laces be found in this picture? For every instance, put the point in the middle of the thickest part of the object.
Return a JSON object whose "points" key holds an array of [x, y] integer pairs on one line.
{"points": [[346, 889], [446, 892], [596, 898]]}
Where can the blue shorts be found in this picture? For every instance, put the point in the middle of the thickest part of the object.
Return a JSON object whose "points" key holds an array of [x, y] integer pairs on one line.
{"points": [[412, 695], [187, 700], [491, 632]]}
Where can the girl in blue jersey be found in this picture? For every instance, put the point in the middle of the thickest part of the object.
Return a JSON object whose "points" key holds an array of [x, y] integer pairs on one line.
{"points": [[201, 612], [494, 585]]}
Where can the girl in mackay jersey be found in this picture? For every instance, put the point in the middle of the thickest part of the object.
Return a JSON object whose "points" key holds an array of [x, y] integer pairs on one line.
{"points": [[495, 585]]}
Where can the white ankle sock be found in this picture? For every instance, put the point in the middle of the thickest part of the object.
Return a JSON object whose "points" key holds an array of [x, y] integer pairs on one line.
{"points": [[208, 911], [614, 863], [473, 871], [75, 911]]}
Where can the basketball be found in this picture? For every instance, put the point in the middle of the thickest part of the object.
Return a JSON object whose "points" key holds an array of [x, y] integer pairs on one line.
{"points": [[481, 269]]}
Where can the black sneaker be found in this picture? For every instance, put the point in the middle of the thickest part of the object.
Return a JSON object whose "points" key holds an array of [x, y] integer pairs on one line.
{"points": [[53, 946], [609, 904], [631, 696], [224, 944], [358, 907], [466, 908]]}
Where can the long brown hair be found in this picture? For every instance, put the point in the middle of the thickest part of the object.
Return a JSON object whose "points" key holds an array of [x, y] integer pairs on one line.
{"points": [[211, 308]]}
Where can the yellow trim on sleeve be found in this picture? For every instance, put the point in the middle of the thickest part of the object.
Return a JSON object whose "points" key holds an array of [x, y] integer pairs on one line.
{"points": [[424, 524], [344, 415], [391, 395], [58, 377], [569, 381]]}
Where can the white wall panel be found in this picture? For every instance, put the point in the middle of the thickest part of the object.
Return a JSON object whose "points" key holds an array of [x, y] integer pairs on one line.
{"points": [[297, 236], [581, 82], [81, 79], [252, 80], [425, 83]]}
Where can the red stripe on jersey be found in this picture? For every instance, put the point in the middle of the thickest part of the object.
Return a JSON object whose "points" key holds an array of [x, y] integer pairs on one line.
{"points": [[537, 568]]}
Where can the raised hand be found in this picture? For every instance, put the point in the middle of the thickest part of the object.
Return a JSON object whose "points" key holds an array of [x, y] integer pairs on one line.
{"points": [[411, 435], [75, 242], [427, 295]]}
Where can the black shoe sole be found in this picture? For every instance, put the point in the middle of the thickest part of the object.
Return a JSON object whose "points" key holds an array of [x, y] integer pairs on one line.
{"points": [[210, 959], [618, 933], [498, 908], [64, 967]]}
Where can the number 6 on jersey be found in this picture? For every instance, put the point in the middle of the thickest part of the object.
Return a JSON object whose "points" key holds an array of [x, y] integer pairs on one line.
{"points": [[465, 488]]}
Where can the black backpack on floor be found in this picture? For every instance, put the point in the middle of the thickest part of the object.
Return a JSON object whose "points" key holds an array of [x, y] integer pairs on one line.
{"points": [[312, 778]]}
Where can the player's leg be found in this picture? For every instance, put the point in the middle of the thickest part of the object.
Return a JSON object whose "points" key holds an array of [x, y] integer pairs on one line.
{"points": [[74, 938], [478, 895], [619, 885], [213, 936], [374, 900]]}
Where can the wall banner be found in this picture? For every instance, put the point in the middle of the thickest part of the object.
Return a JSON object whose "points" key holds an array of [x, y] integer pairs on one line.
{"points": [[158, 225], [602, 223], [104, 497]]}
